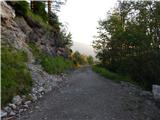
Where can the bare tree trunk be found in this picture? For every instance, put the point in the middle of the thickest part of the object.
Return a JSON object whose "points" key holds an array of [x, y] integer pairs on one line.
{"points": [[49, 9], [32, 5]]}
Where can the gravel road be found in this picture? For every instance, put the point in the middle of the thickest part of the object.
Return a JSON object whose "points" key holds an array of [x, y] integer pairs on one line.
{"points": [[89, 96]]}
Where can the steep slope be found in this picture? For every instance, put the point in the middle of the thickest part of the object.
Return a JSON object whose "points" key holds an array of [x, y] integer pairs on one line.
{"points": [[20, 70]]}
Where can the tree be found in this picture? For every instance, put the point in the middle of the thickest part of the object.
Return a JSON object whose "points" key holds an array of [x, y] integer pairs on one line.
{"points": [[54, 6], [79, 59], [130, 36], [38, 7], [90, 60]]}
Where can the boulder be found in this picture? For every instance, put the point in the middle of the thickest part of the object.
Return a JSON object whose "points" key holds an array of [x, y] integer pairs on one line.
{"points": [[156, 91], [13, 106], [3, 114], [17, 100], [12, 113], [7, 109]]}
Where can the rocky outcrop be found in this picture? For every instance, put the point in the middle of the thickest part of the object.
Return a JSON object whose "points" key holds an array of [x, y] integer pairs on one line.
{"points": [[7, 13], [10, 31]]}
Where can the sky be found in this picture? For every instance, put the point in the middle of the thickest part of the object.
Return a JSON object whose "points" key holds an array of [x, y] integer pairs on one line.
{"points": [[82, 16]]}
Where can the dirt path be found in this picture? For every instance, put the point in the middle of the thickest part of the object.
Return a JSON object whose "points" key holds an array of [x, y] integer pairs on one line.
{"points": [[88, 96]]}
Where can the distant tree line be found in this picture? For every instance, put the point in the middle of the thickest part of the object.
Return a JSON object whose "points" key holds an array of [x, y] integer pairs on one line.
{"points": [[81, 59], [128, 41]]}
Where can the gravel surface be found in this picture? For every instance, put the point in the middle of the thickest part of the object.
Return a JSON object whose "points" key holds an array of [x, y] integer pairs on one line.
{"points": [[88, 96]]}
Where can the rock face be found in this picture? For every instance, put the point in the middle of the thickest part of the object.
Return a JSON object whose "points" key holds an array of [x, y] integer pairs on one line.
{"points": [[7, 12], [18, 31], [10, 31], [156, 91]]}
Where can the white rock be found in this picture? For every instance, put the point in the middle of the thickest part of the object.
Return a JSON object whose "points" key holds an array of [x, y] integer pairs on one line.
{"points": [[6, 11], [12, 113], [25, 106], [7, 109], [17, 100], [27, 102], [156, 91], [34, 97], [3, 114], [41, 89], [21, 110], [13, 106]]}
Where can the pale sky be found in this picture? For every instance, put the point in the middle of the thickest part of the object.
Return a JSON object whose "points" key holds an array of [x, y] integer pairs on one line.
{"points": [[82, 17]]}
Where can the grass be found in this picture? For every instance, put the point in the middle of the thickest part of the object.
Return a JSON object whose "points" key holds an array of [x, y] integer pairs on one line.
{"points": [[56, 65], [110, 75], [15, 77], [118, 77], [52, 65]]}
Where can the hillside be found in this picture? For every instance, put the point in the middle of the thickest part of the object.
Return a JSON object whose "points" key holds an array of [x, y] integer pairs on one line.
{"points": [[33, 53]]}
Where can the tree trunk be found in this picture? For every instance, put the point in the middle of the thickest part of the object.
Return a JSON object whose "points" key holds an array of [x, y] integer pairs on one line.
{"points": [[49, 9], [32, 5]]}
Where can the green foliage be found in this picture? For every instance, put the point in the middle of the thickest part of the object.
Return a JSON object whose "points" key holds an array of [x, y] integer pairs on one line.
{"points": [[129, 42], [38, 19], [21, 7], [111, 75], [54, 22], [90, 60], [15, 77], [52, 65], [55, 65], [39, 9], [78, 59], [40, 16], [64, 39]]}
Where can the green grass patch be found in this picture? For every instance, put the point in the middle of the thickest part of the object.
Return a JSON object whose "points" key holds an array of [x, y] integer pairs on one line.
{"points": [[56, 65], [52, 65], [15, 77], [110, 75]]}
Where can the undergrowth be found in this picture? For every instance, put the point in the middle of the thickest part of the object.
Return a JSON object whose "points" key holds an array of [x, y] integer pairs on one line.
{"points": [[52, 65], [15, 77], [110, 75]]}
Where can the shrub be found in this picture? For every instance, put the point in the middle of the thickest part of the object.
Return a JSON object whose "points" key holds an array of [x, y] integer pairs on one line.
{"points": [[38, 19], [55, 65], [79, 59], [111, 75], [52, 65], [90, 60], [39, 9], [15, 77]]}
